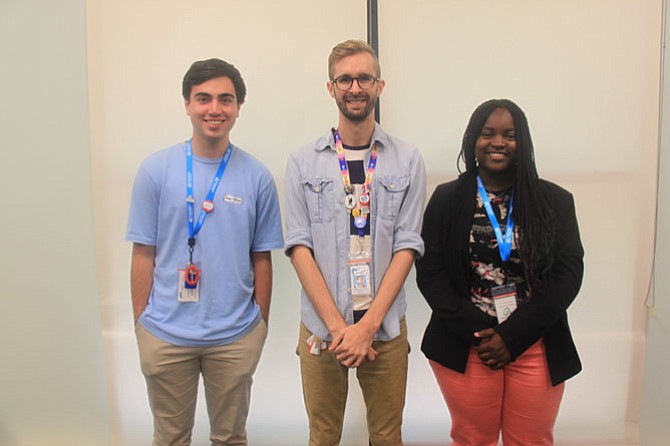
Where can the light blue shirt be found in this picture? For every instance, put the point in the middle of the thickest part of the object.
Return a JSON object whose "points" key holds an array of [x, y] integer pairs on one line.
{"points": [[245, 219], [316, 217]]}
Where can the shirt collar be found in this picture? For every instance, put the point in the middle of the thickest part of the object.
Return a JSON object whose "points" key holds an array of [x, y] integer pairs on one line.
{"points": [[378, 136]]}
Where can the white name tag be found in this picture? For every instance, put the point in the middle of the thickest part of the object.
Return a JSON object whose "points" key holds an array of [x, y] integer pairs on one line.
{"points": [[504, 298], [232, 199]]}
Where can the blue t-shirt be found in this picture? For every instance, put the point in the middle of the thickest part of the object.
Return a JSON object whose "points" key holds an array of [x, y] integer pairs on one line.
{"points": [[245, 219]]}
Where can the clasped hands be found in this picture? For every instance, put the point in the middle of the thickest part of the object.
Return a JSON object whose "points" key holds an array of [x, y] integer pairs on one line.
{"points": [[492, 349], [352, 345]]}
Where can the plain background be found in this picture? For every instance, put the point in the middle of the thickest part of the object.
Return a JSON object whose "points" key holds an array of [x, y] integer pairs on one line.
{"points": [[93, 87]]}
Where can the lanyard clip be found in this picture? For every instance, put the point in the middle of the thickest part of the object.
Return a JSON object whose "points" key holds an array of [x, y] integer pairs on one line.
{"points": [[191, 244]]}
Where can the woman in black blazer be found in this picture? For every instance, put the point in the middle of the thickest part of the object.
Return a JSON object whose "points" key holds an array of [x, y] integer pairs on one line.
{"points": [[503, 263]]}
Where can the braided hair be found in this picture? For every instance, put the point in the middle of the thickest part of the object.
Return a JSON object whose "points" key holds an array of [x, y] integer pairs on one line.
{"points": [[532, 211]]}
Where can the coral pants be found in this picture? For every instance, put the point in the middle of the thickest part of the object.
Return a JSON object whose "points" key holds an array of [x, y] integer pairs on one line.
{"points": [[517, 400]]}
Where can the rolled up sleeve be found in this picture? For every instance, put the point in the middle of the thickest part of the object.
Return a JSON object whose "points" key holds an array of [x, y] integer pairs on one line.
{"points": [[407, 231], [298, 229]]}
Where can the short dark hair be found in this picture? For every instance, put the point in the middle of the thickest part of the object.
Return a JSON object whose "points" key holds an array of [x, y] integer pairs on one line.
{"points": [[203, 70]]}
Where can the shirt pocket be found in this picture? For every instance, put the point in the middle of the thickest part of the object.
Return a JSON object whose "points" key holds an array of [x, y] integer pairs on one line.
{"points": [[319, 193], [392, 190]]}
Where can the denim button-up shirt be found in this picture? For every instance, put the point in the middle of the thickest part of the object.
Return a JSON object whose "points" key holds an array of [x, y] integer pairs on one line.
{"points": [[317, 218]]}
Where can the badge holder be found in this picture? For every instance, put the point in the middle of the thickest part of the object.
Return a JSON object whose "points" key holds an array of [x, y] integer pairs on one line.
{"points": [[189, 284], [189, 278], [360, 262], [504, 298]]}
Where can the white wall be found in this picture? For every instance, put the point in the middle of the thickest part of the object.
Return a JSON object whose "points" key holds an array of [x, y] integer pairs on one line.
{"points": [[587, 77], [139, 51], [586, 74], [52, 385]]}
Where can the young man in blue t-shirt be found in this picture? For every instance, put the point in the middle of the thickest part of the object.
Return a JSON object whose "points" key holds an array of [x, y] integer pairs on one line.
{"points": [[204, 216]]}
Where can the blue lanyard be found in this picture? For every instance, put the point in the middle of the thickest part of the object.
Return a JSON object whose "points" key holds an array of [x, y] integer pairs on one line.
{"points": [[504, 242], [193, 229]]}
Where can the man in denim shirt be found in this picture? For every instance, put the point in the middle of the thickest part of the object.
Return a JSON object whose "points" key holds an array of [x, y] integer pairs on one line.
{"points": [[354, 202]]}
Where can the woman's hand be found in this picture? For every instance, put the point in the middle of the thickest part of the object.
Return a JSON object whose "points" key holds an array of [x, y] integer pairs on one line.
{"points": [[492, 349]]}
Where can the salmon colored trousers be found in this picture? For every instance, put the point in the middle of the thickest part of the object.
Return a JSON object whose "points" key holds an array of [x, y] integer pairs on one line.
{"points": [[517, 401]]}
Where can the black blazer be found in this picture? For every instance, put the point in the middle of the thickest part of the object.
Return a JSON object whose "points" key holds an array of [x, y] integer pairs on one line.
{"points": [[443, 276]]}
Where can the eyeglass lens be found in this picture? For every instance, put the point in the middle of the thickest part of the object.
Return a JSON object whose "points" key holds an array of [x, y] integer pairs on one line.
{"points": [[365, 81]]}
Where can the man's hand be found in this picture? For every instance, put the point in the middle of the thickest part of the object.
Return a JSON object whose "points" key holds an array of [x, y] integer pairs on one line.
{"points": [[352, 345]]}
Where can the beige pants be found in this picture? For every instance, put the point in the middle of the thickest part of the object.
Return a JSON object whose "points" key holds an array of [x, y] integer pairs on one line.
{"points": [[172, 374], [383, 382]]}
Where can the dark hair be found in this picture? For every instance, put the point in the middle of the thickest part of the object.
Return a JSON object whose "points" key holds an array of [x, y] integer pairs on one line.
{"points": [[203, 70], [532, 212]]}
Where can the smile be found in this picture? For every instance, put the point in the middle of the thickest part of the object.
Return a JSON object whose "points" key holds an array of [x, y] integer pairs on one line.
{"points": [[357, 101], [497, 155]]}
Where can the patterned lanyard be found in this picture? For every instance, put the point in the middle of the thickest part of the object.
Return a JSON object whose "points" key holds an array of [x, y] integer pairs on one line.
{"points": [[361, 209]]}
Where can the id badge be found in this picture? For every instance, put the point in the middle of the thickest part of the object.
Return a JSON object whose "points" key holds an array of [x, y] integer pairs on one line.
{"points": [[504, 298], [188, 290], [360, 279], [359, 266]]}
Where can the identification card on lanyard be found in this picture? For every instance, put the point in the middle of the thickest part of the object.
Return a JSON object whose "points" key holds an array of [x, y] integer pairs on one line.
{"points": [[189, 284], [360, 262], [504, 298], [360, 253], [189, 277]]}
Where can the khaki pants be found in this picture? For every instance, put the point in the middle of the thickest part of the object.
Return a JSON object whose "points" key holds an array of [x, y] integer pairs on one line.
{"points": [[172, 374], [383, 382]]}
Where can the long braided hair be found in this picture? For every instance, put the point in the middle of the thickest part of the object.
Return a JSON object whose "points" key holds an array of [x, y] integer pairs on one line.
{"points": [[532, 210]]}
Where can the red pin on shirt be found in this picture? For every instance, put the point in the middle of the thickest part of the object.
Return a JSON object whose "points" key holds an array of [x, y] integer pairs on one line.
{"points": [[208, 206]]}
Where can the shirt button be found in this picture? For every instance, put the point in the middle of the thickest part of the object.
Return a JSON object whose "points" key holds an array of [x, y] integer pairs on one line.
{"points": [[392, 186], [317, 188]]}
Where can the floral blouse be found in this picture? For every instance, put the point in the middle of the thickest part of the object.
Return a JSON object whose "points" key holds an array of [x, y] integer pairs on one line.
{"points": [[488, 269]]}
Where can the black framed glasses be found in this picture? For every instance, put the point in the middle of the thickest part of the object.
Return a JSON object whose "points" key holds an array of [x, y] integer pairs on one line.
{"points": [[344, 82]]}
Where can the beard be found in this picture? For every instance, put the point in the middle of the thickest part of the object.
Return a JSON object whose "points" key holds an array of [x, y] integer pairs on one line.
{"points": [[357, 115]]}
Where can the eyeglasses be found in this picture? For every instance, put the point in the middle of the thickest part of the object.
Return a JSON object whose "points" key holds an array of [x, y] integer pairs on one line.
{"points": [[345, 82]]}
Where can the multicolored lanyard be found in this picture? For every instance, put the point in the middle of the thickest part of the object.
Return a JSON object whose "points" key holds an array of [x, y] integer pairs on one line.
{"points": [[207, 205], [504, 242], [361, 209]]}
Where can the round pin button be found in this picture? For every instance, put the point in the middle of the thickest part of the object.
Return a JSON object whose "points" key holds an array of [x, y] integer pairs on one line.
{"points": [[360, 222], [207, 206], [350, 201]]}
